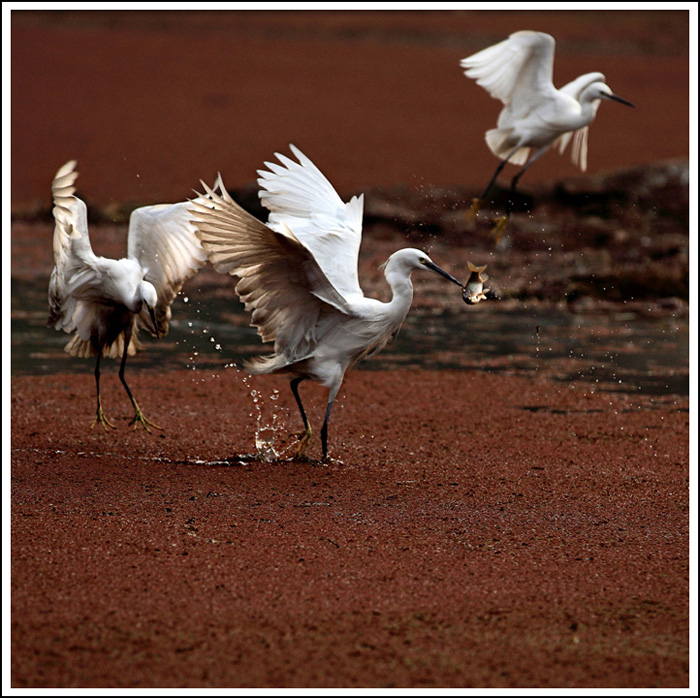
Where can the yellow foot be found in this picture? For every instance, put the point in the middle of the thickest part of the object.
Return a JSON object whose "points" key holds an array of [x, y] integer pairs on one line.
{"points": [[139, 418], [102, 420], [498, 229], [304, 438], [472, 212]]}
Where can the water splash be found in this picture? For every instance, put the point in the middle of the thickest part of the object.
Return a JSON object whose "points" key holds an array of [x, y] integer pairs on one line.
{"points": [[270, 433], [266, 432]]}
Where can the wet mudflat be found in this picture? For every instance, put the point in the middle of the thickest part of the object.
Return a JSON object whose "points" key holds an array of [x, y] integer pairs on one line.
{"points": [[501, 510], [482, 530], [508, 504]]}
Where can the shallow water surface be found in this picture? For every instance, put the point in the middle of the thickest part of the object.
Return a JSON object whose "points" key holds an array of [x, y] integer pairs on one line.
{"points": [[617, 351]]}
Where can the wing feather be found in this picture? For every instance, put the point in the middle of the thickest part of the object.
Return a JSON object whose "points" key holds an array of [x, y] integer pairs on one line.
{"points": [[299, 196], [278, 279], [75, 263], [162, 239], [515, 70]]}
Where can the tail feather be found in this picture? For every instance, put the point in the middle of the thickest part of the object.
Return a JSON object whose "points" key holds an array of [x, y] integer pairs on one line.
{"points": [[265, 364], [501, 143], [84, 348]]}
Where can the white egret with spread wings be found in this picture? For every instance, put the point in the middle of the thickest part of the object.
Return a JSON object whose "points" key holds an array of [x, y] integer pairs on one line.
{"points": [[536, 115], [106, 301], [298, 276]]}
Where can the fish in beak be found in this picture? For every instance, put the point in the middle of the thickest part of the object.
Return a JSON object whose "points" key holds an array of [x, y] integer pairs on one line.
{"points": [[474, 290]]}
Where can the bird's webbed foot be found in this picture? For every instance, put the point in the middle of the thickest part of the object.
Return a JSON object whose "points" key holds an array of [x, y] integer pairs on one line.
{"points": [[140, 418], [474, 210], [101, 419], [499, 228]]}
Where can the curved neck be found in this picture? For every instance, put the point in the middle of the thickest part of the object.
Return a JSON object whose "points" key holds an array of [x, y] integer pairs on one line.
{"points": [[402, 291], [589, 107], [588, 110]]}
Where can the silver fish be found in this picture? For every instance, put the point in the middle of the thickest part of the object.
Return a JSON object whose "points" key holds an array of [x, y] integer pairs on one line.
{"points": [[474, 290]]}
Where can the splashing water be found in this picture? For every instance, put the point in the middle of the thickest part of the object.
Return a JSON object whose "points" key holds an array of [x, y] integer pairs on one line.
{"points": [[269, 446]]}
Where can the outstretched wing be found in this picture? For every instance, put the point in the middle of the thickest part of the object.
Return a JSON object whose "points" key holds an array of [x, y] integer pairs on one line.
{"points": [[76, 271], [517, 71], [299, 196], [279, 280], [162, 239], [579, 148]]}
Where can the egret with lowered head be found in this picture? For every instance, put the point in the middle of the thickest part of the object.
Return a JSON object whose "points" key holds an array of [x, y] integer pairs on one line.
{"points": [[298, 277], [105, 301], [518, 71]]}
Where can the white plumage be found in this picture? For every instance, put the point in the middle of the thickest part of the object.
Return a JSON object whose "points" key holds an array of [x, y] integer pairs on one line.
{"points": [[518, 71], [106, 301], [297, 275]]}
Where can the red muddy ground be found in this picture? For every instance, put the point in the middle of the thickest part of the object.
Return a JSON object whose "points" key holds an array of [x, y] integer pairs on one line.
{"points": [[483, 530]]}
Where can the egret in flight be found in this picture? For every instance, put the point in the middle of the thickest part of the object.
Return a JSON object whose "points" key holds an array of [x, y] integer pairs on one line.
{"points": [[298, 277], [536, 115], [105, 301]]}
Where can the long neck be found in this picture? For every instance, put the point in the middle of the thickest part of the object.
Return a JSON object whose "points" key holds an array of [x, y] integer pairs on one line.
{"points": [[402, 293], [589, 107]]}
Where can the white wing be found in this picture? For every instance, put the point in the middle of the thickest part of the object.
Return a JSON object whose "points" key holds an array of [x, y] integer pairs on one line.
{"points": [[162, 239], [278, 278], [81, 284], [518, 71], [579, 149], [76, 272], [300, 197]]}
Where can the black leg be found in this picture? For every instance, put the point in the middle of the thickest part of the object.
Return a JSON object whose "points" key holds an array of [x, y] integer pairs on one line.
{"points": [[513, 187], [305, 435], [502, 221], [138, 415], [514, 182], [294, 384], [324, 432], [122, 366], [498, 171], [100, 415], [97, 378], [476, 203]]}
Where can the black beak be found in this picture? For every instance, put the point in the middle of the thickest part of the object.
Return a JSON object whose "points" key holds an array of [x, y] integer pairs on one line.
{"points": [[436, 268], [152, 313], [615, 98]]}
